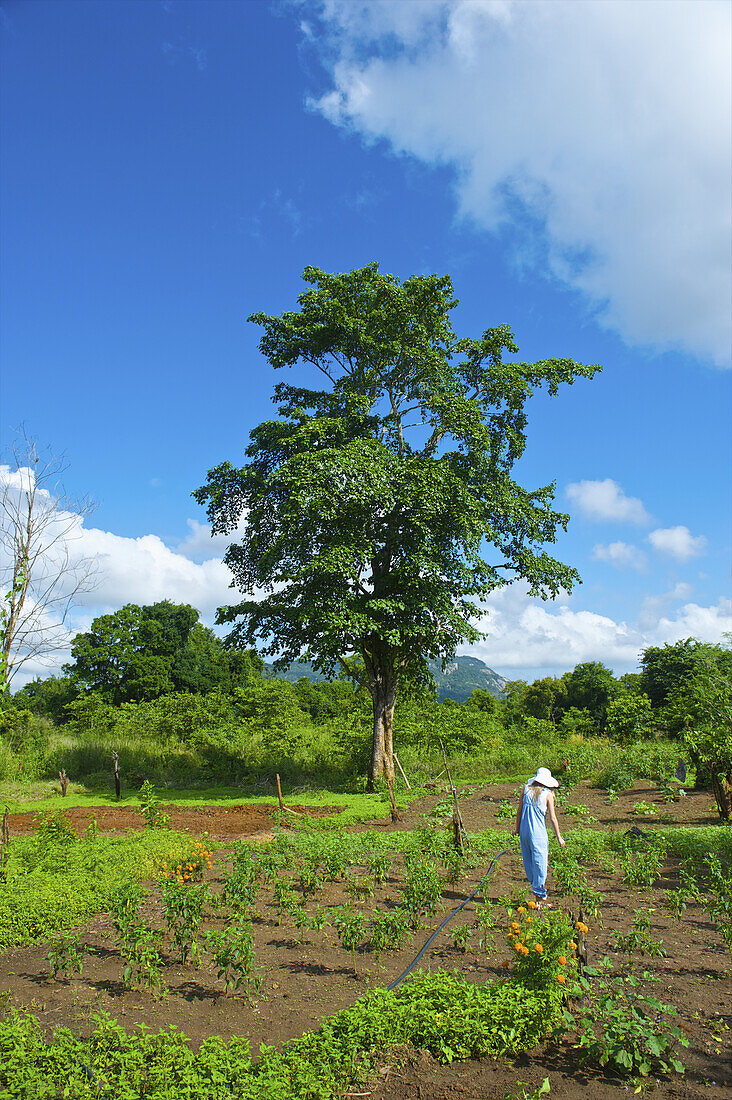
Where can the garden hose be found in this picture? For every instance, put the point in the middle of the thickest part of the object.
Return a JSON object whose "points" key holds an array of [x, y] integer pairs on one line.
{"points": [[449, 917]]}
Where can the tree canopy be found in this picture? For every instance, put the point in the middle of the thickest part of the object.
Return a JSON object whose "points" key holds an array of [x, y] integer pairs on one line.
{"points": [[369, 503], [141, 653]]}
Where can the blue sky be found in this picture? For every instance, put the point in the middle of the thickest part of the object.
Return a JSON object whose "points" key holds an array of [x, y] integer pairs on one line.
{"points": [[169, 168]]}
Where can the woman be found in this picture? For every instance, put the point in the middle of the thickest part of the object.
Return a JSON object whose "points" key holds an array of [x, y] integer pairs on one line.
{"points": [[537, 800]]}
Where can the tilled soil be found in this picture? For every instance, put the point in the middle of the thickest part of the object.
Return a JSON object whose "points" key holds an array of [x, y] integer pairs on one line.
{"points": [[219, 822], [304, 981]]}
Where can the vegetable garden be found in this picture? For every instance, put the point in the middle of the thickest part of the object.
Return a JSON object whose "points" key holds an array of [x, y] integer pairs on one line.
{"points": [[273, 953]]}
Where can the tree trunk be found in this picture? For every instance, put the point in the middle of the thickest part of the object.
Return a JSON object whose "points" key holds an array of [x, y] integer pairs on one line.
{"points": [[383, 696], [722, 787]]}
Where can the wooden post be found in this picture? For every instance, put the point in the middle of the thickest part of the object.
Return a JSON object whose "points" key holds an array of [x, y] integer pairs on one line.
{"points": [[64, 782], [282, 805], [401, 769], [458, 829], [117, 782]]}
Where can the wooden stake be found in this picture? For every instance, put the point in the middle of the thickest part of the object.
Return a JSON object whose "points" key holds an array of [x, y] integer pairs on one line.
{"points": [[279, 796], [458, 829], [401, 769], [64, 782]]}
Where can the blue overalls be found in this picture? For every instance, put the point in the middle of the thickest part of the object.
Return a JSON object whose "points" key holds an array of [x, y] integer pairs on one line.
{"points": [[534, 839]]}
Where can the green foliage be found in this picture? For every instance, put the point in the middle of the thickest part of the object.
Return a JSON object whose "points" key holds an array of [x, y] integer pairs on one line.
{"points": [[140, 653], [444, 1014], [389, 930], [641, 868], [351, 928], [232, 952], [590, 687], [47, 698], [629, 718], [150, 808], [621, 1027], [391, 591], [140, 950], [65, 956], [652, 760], [421, 890], [54, 881], [183, 908]]}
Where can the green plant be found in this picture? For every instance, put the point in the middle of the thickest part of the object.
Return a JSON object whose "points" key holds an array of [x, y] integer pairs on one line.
{"points": [[359, 886], [524, 1094], [183, 907], [286, 900], [139, 947], [645, 809], [421, 890], [309, 879], [378, 864], [506, 810], [640, 868], [638, 940], [388, 930], [461, 936], [232, 951], [621, 1026], [150, 808], [65, 955], [350, 927]]}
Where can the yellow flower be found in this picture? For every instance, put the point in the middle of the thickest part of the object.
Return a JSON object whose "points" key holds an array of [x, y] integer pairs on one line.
{"points": [[538, 948], [520, 909], [573, 945], [562, 960], [515, 925], [524, 950], [531, 904], [518, 948]]}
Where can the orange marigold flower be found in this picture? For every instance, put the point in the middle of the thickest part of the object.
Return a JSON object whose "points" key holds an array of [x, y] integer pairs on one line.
{"points": [[562, 960], [518, 948], [520, 909], [529, 919], [524, 950], [538, 948], [573, 945], [531, 904], [561, 978], [515, 925], [505, 964]]}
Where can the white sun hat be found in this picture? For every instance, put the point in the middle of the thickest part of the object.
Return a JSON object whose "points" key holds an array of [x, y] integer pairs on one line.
{"points": [[545, 777]]}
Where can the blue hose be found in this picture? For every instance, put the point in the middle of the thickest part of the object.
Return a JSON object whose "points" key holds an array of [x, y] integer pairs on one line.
{"points": [[449, 917]]}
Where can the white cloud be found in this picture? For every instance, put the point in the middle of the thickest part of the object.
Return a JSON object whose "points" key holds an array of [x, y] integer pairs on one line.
{"points": [[621, 555], [526, 638], [607, 123], [678, 542], [605, 500]]}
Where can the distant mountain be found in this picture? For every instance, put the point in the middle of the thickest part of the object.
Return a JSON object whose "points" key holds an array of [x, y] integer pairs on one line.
{"points": [[461, 677]]}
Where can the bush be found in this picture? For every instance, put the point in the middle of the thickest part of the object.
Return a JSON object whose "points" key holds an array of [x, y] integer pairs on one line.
{"points": [[55, 880]]}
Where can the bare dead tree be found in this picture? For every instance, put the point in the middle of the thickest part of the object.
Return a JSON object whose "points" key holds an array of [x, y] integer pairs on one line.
{"points": [[42, 572]]}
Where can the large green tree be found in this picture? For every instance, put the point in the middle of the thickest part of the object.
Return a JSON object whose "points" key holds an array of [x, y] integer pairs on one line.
{"points": [[140, 653], [369, 503]]}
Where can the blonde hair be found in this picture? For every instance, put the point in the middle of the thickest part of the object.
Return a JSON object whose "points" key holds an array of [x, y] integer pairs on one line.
{"points": [[536, 789]]}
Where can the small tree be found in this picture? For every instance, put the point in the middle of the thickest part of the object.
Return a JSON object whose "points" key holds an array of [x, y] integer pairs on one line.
{"points": [[703, 707], [367, 503], [40, 572]]}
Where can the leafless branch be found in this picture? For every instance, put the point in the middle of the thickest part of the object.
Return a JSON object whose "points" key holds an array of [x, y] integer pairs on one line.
{"points": [[41, 577]]}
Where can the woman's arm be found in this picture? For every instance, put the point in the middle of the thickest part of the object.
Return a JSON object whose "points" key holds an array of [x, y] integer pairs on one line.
{"points": [[518, 813], [553, 817]]}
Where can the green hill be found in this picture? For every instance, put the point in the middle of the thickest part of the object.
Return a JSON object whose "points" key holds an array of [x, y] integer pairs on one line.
{"points": [[462, 676]]}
